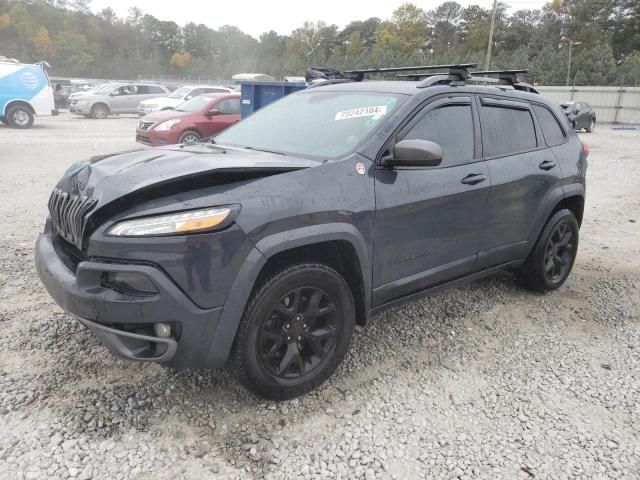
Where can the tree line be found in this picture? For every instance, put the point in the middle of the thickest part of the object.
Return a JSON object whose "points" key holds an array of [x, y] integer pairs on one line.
{"points": [[605, 37]]}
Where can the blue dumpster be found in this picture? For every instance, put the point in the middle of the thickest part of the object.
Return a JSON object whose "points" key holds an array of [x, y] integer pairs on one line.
{"points": [[255, 95]]}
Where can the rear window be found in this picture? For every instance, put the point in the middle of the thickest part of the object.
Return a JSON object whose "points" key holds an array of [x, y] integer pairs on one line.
{"points": [[553, 133], [507, 130]]}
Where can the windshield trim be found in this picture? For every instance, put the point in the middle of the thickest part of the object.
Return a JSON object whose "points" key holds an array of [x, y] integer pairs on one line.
{"points": [[323, 158]]}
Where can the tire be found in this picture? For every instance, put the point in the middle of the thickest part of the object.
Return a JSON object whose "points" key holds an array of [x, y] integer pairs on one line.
{"points": [[189, 136], [19, 117], [99, 111], [285, 346], [552, 258], [592, 125], [4, 121]]}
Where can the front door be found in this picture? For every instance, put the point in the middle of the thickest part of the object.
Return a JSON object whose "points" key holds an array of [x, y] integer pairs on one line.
{"points": [[228, 113], [429, 220]]}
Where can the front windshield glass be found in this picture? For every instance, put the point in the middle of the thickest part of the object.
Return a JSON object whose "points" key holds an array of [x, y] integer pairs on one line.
{"points": [[179, 93], [195, 104], [313, 123]]}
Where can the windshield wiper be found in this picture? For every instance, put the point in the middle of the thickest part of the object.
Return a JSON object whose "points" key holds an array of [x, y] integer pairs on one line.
{"points": [[262, 150]]}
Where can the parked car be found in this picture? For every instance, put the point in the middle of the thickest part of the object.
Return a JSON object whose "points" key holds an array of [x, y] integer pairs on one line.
{"points": [[200, 117], [115, 99], [260, 250], [580, 115], [25, 91], [177, 97], [81, 91]]}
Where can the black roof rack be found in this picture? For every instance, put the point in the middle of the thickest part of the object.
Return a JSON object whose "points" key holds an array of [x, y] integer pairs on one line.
{"points": [[460, 69], [451, 73]]}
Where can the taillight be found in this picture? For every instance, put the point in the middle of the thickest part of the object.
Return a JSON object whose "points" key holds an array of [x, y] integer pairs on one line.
{"points": [[585, 149]]}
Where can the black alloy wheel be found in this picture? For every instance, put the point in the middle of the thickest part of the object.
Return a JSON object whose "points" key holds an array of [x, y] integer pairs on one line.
{"points": [[559, 253], [299, 333]]}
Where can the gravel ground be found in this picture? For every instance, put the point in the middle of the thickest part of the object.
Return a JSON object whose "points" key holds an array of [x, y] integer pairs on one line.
{"points": [[486, 381]]}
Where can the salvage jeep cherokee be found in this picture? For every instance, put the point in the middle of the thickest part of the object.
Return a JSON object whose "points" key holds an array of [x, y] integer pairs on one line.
{"points": [[259, 250]]}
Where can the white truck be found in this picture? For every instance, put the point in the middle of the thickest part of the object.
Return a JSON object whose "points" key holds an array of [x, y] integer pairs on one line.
{"points": [[25, 91]]}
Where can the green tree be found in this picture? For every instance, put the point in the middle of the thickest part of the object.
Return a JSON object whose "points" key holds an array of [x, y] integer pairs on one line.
{"points": [[72, 53]]}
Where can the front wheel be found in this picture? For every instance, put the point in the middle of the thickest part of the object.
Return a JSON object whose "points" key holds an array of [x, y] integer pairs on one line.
{"points": [[19, 117], [551, 260], [295, 331], [189, 137], [99, 111]]}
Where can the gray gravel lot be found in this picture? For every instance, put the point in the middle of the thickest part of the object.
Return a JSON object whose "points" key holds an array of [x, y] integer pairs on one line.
{"points": [[486, 381]]}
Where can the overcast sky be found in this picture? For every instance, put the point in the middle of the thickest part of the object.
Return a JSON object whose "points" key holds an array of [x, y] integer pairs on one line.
{"points": [[257, 16]]}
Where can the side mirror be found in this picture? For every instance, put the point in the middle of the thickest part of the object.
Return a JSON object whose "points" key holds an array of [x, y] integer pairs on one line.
{"points": [[417, 153], [213, 112], [113, 94], [188, 97]]}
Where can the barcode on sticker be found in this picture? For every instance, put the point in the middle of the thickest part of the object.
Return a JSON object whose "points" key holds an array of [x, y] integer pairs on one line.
{"points": [[361, 112]]}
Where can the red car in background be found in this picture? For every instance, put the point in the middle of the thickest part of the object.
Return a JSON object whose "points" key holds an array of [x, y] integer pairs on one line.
{"points": [[200, 117]]}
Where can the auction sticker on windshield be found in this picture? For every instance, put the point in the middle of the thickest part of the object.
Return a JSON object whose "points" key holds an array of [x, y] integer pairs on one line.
{"points": [[361, 112]]}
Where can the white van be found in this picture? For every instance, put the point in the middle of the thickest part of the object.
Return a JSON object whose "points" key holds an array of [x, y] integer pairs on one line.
{"points": [[25, 91]]}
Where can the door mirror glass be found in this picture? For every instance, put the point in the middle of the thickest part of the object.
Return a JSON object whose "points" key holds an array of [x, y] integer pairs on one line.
{"points": [[417, 153], [213, 113]]}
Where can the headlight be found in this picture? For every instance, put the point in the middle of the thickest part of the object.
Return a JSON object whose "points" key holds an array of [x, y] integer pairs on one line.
{"points": [[186, 222], [168, 125]]}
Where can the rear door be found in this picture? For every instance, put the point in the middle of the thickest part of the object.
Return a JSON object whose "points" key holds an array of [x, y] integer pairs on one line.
{"points": [[429, 219], [523, 172]]}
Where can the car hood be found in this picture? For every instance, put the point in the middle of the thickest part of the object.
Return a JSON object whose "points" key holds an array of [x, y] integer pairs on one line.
{"points": [[163, 102], [145, 174], [162, 115]]}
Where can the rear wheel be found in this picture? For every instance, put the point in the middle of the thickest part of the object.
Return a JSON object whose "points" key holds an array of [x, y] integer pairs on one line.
{"points": [[4, 120], [551, 260], [19, 117], [294, 332], [189, 137], [592, 125], [99, 111]]}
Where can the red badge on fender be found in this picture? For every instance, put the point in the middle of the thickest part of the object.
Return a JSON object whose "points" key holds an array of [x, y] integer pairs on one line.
{"points": [[360, 168]]}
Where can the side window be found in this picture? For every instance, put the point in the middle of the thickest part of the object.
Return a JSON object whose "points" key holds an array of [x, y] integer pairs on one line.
{"points": [[142, 90], [451, 127], [230, 106], [194, 93], [506, 130], [551, 129], [156, 90]]}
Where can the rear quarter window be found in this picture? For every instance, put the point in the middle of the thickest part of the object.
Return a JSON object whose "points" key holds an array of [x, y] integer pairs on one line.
{"points": [[551, 129], [506, 130]]}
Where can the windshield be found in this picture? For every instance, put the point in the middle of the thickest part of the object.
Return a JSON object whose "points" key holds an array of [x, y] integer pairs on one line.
{"points": [[195, 104], [180, 93], [317, 124]]}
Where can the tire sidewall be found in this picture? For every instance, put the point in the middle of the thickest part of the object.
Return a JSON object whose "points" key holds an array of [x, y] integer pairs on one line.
{"points": [[562, 216], [188, 132], [95, 108], [261, 306], [12, 111]]}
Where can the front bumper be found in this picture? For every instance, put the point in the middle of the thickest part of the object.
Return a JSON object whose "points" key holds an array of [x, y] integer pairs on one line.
{"points": [[155, 139], [79, 109], [122, 321]]}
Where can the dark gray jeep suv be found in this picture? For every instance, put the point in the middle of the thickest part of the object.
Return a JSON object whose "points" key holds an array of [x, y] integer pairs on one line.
{"points": [[259, 250]]}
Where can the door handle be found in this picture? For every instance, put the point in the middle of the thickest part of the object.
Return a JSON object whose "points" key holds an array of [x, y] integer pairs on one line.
{"points": [[473, 179], [547, 165]]}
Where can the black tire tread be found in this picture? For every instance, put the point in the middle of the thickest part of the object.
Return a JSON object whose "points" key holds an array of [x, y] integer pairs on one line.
{"points": [[237, 363], [10, 116], [531, 274]]}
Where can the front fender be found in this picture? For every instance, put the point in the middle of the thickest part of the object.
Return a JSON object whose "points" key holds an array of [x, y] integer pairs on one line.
{"points": [[266, 248]]}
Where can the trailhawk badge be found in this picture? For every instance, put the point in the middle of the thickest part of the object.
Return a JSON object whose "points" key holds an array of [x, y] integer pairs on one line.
{"points": [[360, 168]]}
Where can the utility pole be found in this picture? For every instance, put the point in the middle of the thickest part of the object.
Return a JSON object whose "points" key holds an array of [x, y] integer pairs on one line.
{"points": [[493, 24], [569, 63]]}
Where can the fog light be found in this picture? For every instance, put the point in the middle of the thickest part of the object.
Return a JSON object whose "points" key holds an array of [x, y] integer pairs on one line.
{"points": [[130, 283], [162, 330]]}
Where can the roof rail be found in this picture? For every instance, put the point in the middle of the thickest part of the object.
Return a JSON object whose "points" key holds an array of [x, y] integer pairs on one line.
{"points": [[508, 77], [458, 70]]}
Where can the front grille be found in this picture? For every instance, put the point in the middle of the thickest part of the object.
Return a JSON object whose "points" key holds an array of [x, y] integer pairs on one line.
{"points": [[145, 125], [143, 139], [67, 214], [67, 253]]}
